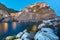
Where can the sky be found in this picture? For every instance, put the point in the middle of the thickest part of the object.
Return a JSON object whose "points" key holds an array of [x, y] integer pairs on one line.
{"points": [[20, 4]]}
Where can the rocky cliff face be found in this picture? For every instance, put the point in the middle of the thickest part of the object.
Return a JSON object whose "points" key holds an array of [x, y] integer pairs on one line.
{"points": [[36, 12]]}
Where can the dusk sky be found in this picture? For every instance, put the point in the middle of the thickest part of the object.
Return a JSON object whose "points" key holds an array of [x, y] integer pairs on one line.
{"points": [[20, 4]]}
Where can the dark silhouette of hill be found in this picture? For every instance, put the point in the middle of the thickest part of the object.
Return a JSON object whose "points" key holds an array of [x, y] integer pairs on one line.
{"points": [[3, 7]]}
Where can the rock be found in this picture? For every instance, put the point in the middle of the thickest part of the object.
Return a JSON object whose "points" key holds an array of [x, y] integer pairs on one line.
{"points": [[31, 35], [47, 30], [19, 35], [46, 21], [10, 38], [25, 35], [46, 34], [18, 39], [26, 39], [41, 25]]}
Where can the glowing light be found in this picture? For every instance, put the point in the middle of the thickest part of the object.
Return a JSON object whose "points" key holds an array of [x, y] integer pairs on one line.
{"points": [[5, 15], [14, 25], [34, 28], [13, 14], [5, 27], [34, 10]]}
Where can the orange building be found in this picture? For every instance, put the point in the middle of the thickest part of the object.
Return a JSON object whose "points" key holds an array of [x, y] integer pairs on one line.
{"points": [[13, 14]]}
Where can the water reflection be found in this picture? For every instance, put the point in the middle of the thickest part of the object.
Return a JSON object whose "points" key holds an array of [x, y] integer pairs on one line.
{"points": [[14, 25], [0, 28], [11, 28], [8, 28], [5, 27]]}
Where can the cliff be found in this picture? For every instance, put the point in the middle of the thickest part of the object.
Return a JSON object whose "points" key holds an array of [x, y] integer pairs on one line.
{"points": [[36, 12]]}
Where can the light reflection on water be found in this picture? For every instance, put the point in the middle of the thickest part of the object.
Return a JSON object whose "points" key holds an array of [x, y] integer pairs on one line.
{"points": [[5, 27], [0, 28], [14, 25], [12, 28]]}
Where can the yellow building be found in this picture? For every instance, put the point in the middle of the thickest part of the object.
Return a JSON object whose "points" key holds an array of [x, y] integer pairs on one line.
{"points": [[13, 14], [5, 15]]}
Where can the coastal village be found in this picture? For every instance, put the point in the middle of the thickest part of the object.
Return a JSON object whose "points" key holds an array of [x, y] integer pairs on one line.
{"points": [[48, 27], [35, 12]]}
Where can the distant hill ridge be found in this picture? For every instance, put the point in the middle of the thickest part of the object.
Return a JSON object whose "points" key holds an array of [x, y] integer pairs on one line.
{"points": [[3, 7]]}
